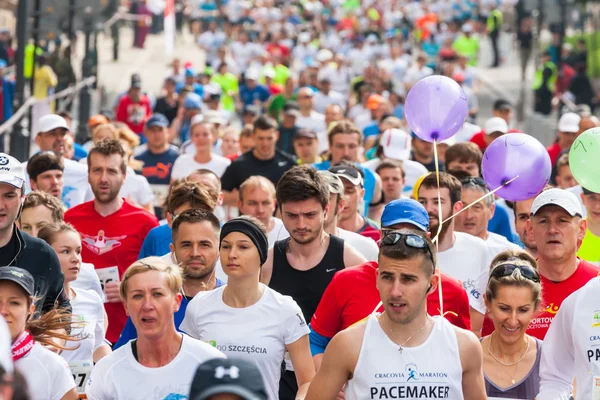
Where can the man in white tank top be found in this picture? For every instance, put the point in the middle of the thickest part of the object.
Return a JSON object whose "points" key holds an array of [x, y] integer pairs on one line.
{"points": [[402, 353]]}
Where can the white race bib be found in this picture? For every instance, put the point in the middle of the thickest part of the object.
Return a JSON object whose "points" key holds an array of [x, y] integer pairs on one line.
{"points": [[108, 274], [596, 387], [81, 371]]}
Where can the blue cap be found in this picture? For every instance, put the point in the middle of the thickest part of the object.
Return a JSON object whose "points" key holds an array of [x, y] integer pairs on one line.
{"points": [[157, 120], [189, 73], [192, 102], [405, 211], [3, 63]]}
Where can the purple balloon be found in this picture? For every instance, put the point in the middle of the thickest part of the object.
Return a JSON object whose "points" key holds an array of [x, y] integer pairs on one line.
{"points": [[436, 108], [516, 154]]}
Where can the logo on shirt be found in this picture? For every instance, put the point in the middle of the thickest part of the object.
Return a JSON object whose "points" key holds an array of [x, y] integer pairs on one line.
{"points": [[412, 371], [301, 318], [160, 171], [596, 318], [469, 286], [552, 308], [101, 244], [282, 163]]}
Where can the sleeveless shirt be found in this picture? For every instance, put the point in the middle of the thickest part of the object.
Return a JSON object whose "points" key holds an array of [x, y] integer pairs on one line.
{"points": [[527, 388], [431, 370], [306, 287]]}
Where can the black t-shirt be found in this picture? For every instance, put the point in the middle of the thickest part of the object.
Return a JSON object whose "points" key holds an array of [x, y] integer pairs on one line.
{"points": [[247, 165], [166, 109], [8, 252]]}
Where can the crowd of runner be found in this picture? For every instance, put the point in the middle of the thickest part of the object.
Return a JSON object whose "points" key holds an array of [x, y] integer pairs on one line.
{"points": [[268, 227]]}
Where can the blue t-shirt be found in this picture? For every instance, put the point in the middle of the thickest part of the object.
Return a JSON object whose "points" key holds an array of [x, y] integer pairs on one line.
{"points": [[500, 223], [369, 181], [79, 152], [249, 95], [129, 332], [157, 170], [371, 130], [197, 88], [157, 242]]}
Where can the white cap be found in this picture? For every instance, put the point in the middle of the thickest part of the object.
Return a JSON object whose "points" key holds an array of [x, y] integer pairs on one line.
{"points": [[558, 197], [324, 55], [304, 37], [495, 124], [11, 171], [467, 28], [252, 74], [396, 144], [50, 122], [569, 122], [5, 342], [371, 38], [214, 117], [269, 73]]}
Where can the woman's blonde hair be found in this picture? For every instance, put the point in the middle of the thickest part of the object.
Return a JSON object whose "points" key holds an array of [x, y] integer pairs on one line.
{"points": [[127, 135], [171, 272], [519, 258], [108, 127]]}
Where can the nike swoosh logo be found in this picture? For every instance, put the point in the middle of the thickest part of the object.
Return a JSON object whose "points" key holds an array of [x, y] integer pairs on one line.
{"points": [[282, 163], [330, 270]]}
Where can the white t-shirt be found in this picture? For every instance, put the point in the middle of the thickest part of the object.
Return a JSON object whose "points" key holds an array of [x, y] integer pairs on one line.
{"points": [[468, 261], [76, 182], [277, 233], [315, 121], [88, 280], [185, 165], [413, 170], [88, 311], [496, 244], [120, 376], [258, 333], [47, 375], [321, 100], [364, 245]]}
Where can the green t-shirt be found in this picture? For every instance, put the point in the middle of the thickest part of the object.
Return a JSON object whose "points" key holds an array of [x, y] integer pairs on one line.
{"points": [[468, 47], [590, 248], [278, 103], [229, 86]]}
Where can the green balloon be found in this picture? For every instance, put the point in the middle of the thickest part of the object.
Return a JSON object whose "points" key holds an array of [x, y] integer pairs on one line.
{"points": [[584, 159]]}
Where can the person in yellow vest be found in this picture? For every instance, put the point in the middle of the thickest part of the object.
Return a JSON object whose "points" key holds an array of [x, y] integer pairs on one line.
{"points": [[28, 62], [467, 45], [590, 247], [45, 80], [494, 25], [543, 84]]}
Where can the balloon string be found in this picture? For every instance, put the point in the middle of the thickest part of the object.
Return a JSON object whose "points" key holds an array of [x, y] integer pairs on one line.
{"points": [[478, 200], [439, 230]]}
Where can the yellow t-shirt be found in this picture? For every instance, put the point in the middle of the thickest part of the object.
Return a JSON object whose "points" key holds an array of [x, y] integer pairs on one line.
{"points": [[590, 248]]}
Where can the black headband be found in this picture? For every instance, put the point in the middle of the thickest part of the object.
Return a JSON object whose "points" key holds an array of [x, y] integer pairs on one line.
{"points": [[251, 230]]}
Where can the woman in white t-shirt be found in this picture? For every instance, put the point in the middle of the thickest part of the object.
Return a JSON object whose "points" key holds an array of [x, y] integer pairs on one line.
{"points": [[246, 319], [88, 307], [47, 375], [161, 362], [203, 136]]}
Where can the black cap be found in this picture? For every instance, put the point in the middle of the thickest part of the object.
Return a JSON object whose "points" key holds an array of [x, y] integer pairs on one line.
{"points": [[19, 276], [502, 104], [348, 172], [305, 133], [231, 376], [136, 81]]}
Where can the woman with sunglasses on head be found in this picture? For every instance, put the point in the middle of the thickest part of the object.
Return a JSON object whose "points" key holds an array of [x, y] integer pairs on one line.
{"points": [[47, 375], [247, 319], [511, 358]]}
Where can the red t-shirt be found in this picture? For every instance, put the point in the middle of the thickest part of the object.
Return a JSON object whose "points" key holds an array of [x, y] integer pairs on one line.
{"points": [[553, 294], [109, 242], [479, 138], [554, 151], [352, 295], [134, 114]]}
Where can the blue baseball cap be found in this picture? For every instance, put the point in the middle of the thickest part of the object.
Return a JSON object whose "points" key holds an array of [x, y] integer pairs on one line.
{"points": [[189, 72], [3, 63], [192, 102], [405, 211], [157, 120]]}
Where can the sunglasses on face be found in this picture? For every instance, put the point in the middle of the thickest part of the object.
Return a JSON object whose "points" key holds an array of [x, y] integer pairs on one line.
{"points": [[527, 272], [411, 240]]}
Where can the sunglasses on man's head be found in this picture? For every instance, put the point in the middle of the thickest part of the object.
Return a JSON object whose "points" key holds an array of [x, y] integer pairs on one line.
{"points": [[526, 271], [475, 180], [411, 240]]}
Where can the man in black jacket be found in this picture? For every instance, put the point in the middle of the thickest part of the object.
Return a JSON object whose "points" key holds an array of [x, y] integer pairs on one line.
{"points": [[21, 250]]}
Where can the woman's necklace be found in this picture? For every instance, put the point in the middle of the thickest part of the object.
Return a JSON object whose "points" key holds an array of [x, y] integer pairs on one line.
{"points": [[509, 364], [400, 348]]}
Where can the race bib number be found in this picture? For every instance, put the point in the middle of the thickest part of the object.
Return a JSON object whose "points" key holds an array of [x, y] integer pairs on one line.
{"points": [[105, 275], [81, 371], [596, 387]]}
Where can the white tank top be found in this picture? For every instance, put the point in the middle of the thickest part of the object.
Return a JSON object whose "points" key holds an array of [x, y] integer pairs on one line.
{"points": [[429, 371]]}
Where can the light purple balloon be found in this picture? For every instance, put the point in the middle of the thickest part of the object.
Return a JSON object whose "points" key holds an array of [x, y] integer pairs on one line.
{"points": [[436, 108], [516, 154]]}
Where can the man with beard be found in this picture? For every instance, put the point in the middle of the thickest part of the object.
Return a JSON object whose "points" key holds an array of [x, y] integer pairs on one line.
{"points": [[112, 229], [460, 255], [195, 247], [51, 137], [303, 265]]}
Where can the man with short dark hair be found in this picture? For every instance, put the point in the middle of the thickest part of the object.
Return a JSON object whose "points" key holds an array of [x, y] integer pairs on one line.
{"points": [[21, 250], [265, 159], [306, 146], [112, 229], [195, 248], [45, 172]]}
